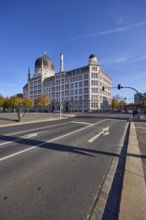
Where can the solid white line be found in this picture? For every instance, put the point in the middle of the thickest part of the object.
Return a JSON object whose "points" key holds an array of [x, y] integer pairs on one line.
{"points": [[84, 123], [9, 142], [20, 152], [54, 139]]}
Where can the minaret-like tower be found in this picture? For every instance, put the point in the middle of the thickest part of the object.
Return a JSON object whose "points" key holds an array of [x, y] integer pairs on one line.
{"points": [[29, 75], [61, 62]]}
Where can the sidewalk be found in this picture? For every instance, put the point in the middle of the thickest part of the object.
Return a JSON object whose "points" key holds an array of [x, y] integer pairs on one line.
{"points": [[141, 135], [133, 199], [7, 119]]}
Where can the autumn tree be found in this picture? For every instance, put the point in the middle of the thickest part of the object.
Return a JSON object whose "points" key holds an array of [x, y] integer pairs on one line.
{"points": [[15, 101], [2, 100], [122, 104], [19, 95], [43, 100], [6, 102], [28, 102], [115, 104], [118, 102], [117, 98], [143, 98]]}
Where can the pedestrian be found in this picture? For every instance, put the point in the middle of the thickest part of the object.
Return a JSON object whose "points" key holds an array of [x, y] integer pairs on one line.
{"points": [[135, 114], [144, 113]]}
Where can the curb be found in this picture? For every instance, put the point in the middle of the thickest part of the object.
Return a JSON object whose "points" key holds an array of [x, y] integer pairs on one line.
{"points": [[29, 121], [133, 198]]}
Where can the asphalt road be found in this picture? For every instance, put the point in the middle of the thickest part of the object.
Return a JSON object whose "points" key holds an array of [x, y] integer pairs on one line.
{"points": [[56, 170]]}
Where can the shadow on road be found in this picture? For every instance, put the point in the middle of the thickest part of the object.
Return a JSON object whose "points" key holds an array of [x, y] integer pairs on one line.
{"points": [[104, 116], [56, 147]]}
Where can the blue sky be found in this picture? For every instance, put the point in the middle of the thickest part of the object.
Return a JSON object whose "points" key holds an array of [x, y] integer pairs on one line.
{"points": [[115, 30]]}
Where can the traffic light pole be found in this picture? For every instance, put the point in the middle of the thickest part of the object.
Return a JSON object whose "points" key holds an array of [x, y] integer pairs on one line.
{"points": [[127, 87]]}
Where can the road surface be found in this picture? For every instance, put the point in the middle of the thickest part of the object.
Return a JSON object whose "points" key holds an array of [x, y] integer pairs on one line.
{"points": [[56, 170]]}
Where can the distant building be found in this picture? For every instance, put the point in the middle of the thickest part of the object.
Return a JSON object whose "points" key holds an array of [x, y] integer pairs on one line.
{"points": [[137, 98], [79, 89]]}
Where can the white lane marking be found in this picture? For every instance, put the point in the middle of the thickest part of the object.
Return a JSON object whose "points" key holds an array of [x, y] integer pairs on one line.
{"points": [[30, 135], [40, 128], [84, 123], [19, 152], [9, 142], [54, 139], [103, 132], [19, 139]]}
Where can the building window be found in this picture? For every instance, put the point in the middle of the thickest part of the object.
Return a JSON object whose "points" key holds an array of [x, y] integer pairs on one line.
{"points": [[86, 83], [66, 80], [80, 91], [72, 92], [76, 92], [80, 84], [86, 76], [86, 90], [86, 97], [67, 86], [66, 93]]}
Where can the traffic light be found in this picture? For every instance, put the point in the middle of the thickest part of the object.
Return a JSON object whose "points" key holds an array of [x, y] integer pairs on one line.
{"points": [[119, 86], [102, 88]]}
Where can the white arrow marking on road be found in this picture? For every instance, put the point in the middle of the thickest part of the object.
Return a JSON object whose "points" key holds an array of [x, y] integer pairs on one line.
{"points": [[30, 135], [105, 131], [49, 141], [19, 139]]}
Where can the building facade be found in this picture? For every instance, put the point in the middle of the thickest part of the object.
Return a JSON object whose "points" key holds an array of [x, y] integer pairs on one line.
{"points": [[137, 98], [79, 89]]}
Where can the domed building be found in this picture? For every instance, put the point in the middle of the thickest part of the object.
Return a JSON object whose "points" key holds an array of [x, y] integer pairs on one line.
{"points": [[79, 89], [44, 66], [93, 59]]}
